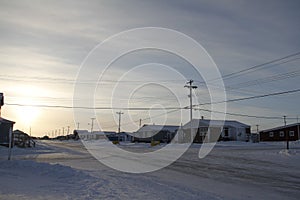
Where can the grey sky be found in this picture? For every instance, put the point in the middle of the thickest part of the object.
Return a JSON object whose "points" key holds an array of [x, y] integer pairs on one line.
{"points": [[51, 39]]}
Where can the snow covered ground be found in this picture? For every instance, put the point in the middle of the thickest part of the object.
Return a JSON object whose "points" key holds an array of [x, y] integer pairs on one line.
{"points": [[233, 170]]}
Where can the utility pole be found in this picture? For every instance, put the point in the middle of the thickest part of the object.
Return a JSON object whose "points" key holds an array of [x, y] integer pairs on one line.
{"points": [[63, 128], [92, 124], [257, 133], [298, 129], [286, 133], [140, 123], [119, 128], [78, 125], [191, 87], [68, 130]]}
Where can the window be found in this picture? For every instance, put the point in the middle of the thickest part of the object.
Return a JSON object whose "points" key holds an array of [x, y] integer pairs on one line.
{"points": [[226, 133], [292, 133], [281, 134], [271, 134]]}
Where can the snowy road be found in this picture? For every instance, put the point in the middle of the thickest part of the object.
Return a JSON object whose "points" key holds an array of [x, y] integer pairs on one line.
{"points": [[230, 171]]}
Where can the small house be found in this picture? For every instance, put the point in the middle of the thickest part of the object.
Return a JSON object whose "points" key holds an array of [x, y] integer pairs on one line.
{"points": [[281, 133], [122, 137], [95, 135], [162, 133], [215, 130], [5, 127]]}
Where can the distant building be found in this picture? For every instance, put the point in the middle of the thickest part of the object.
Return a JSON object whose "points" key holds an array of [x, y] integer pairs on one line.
{"points": [[5, 127], [162, 133], [122, 137], [107, 135], [281, 133], [215, 130], [95, 135]]}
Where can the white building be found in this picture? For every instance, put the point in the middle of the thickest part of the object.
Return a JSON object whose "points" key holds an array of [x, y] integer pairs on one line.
{"points": [[95, 135], [214, 130]]}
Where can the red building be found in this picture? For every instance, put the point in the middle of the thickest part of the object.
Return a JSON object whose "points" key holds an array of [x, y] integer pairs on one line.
{"points": [[281, 133]]}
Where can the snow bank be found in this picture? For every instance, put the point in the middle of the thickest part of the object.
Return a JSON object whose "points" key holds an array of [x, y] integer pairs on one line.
{"points": [[25, 179], [288, 152]]}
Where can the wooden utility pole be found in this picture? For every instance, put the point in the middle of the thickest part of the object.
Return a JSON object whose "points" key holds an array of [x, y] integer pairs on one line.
{"points": [[191, 87], [92, 124], [286, 133], [257, 133], [119, 128]]}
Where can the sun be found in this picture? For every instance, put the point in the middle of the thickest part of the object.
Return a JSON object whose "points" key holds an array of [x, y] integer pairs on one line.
{"points": [[27, 114]]}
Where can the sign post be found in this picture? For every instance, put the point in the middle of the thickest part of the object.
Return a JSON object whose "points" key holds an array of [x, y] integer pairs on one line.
{"points": [[1, 101], [9, 143]]}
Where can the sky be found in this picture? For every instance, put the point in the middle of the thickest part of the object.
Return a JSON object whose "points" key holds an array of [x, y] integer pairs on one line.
{"points": [[44, 45]]}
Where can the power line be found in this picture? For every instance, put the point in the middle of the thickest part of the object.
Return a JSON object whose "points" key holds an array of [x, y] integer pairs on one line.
{"points": [[151, 108], [244, 115], [72, 81], [258, 66], [91, 108], [269, 79], [252, 97]]}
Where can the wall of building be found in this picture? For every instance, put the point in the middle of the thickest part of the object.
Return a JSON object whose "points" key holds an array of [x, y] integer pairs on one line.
{"points": [[4, 133], [267, 135]]}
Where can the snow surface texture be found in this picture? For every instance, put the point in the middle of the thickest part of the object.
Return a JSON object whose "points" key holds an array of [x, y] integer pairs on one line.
{"points": [[233, 170]]}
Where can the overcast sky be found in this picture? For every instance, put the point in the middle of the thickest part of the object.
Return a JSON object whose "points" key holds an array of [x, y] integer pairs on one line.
{"points": [[43, 44]]}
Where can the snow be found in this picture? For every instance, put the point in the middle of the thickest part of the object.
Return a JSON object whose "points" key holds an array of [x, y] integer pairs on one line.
{"points": [[31, 180], [233, 170]]}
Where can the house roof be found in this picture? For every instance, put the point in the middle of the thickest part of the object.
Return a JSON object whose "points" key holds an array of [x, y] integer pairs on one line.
{"points": [[280, 127], [218, 123], [146, 127], [6, 121], [18, 132]]}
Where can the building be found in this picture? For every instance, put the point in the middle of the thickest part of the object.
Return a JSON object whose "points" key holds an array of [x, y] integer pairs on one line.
{"points": [[281, 133], [122, 137], [22, 139], [86, 135], [5, 127], [162, 133], [107, 135], [214, 130]]}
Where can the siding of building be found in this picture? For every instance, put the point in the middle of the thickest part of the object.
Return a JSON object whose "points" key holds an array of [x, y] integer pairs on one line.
{"points": [[215, 130], [279, 133], [162, 133], [5, 126]]}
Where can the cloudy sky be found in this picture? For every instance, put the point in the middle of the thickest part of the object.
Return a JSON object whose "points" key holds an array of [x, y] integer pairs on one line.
{"points": [[44, 44]]}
